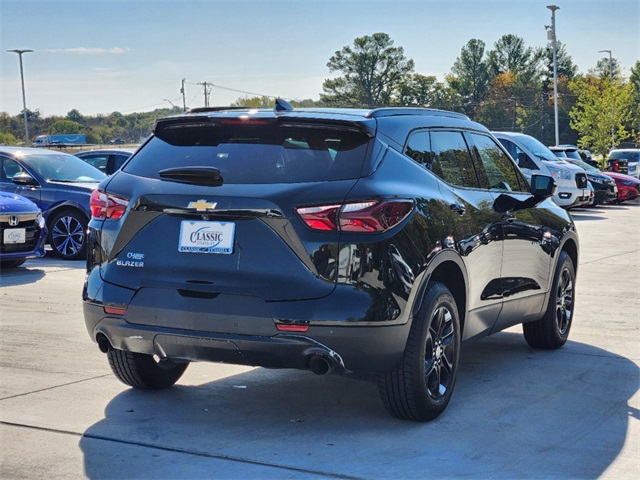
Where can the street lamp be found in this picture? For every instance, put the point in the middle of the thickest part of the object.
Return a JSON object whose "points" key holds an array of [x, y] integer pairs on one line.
{"points": [[613, 128], [167, 100], [553, 9], [24, 101]]}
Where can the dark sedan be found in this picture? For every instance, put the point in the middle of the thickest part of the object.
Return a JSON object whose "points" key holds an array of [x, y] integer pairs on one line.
{"points": [[107, 160], [604, 187], [23, 230], [60, 185]]}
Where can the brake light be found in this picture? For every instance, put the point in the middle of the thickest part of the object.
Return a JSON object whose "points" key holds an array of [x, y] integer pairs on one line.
{"points": [[615, 165], [362, 217], [104, 205]]}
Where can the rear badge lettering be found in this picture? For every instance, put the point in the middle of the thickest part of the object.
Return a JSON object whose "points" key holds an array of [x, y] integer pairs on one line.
{"points": [[134, 260]]}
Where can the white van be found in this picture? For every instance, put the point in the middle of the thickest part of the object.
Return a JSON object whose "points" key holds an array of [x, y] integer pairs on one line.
{"points": [[533, 157]]}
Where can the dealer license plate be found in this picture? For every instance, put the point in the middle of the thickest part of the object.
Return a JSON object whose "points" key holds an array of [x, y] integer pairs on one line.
{"points": [[15, 235], [206, 237]]}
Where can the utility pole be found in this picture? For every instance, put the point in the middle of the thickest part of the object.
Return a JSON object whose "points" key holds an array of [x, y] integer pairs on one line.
{"points": [[553, 9], [207, 92], [184, 102], [24, 100], [613, 128]]}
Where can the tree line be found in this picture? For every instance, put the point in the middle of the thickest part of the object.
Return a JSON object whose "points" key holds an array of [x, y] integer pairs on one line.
{"points": [[508, 87]]}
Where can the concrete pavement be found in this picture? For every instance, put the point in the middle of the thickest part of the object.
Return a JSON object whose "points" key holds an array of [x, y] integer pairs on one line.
{"points": [[516, 412]]}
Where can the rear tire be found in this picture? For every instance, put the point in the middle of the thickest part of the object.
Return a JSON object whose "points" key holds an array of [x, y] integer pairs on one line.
{"points": [[142, 371], [552, 330], [421, 386]]}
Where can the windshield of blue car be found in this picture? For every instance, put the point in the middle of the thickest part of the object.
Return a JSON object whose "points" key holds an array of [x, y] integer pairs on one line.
{"points": [[62, 168], [538, 149]]}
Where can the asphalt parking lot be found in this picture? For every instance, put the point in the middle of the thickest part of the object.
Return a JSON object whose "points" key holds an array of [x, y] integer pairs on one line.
{"points": [[516, 412]]}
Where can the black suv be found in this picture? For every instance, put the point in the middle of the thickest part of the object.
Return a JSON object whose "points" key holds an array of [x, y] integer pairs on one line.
{"points": [[333, 240]]}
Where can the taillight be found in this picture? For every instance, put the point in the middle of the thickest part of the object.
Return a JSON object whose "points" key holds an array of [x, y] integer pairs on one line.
{"points": [[107, 206], [615, 166], [362, 217]]}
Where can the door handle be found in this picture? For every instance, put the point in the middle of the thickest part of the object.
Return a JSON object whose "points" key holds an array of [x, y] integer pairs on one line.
{"points": [[458, 208]]}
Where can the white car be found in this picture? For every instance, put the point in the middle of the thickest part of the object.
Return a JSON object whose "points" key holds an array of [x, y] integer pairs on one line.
{"points": [[533, 157]]}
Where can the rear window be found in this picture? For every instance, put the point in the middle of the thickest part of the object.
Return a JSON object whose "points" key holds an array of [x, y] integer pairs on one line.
{"points": [[631, 156], [256, 154]]}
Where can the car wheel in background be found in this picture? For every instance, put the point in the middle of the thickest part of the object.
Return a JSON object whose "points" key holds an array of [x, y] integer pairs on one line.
{"points": [[67, 235], [552, 330], [144, 371], [421, 385]]}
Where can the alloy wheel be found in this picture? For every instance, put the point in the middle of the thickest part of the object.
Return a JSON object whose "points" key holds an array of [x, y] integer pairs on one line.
{"points": [[564, 302], [440, 354], [67, 236]]}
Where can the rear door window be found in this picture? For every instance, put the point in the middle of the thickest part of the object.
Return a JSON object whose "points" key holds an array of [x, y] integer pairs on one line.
{"points": [[451, 159], [262, 154]]}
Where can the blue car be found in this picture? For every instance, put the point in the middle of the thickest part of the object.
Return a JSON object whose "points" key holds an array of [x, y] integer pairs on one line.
{"points": [[60, 185], [23, 230]]}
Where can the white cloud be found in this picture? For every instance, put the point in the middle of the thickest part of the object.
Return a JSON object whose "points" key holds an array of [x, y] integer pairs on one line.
{"points": [[88, 50]]}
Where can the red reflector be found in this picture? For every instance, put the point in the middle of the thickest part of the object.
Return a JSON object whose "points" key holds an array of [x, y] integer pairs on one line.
{"points": [[320, 218], [115, 310], [107, 206], [288, 327]]}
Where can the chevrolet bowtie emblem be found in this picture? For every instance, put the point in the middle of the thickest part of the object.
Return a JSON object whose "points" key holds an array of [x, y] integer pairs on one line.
{"points": [[202, 205]]}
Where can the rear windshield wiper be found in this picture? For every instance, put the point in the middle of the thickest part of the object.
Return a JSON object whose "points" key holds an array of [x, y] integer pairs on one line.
{"points": [[209, 176]]}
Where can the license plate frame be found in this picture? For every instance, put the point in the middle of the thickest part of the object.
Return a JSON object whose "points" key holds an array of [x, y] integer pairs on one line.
{"points": [[201, 236], [14, 236]]}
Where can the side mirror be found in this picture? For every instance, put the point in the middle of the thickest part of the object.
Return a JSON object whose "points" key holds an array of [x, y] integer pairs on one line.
{"points": [[25, 179], [543, 186]]}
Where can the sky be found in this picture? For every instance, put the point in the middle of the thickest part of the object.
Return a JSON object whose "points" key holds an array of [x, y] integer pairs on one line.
{"points": [[101, 56]]}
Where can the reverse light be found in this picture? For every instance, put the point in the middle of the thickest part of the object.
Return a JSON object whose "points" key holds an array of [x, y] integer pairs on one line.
{"points": [[361, 217], [104, 205]]}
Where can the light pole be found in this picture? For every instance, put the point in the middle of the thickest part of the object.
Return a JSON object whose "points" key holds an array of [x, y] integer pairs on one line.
{"points": [[24, 100], [553, 9], [613, 129], [167, 100]]}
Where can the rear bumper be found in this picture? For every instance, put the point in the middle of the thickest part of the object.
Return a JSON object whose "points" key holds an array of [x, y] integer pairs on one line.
{"points": [[347, 348]]}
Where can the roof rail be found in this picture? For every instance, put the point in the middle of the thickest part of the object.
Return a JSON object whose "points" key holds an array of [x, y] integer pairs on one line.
{"points": [[392, 111]]}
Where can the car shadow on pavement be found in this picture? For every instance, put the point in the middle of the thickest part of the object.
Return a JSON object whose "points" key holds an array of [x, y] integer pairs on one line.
{"points": [[21, 275], [516, 413]]}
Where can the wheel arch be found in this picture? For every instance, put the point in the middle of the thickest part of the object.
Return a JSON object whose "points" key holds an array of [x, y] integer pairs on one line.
{"points": [[52, 212], [447, 268]]}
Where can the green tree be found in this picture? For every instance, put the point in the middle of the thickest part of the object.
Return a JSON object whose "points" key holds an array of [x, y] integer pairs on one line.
{"points": [[7, 138], [417, 91], [604, 67], [256, 102], [470, 74], [60, 127], [511, 55], [601, 107], [75, 116], [634, 80], [372, 69]]}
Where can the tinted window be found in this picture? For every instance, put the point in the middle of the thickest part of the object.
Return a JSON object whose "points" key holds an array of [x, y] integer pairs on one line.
{"points": [[256, 154], [99, 161], [119, 161], [496, 171], [10, 168], [451, 159], [521, 158], [419, 149]]}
